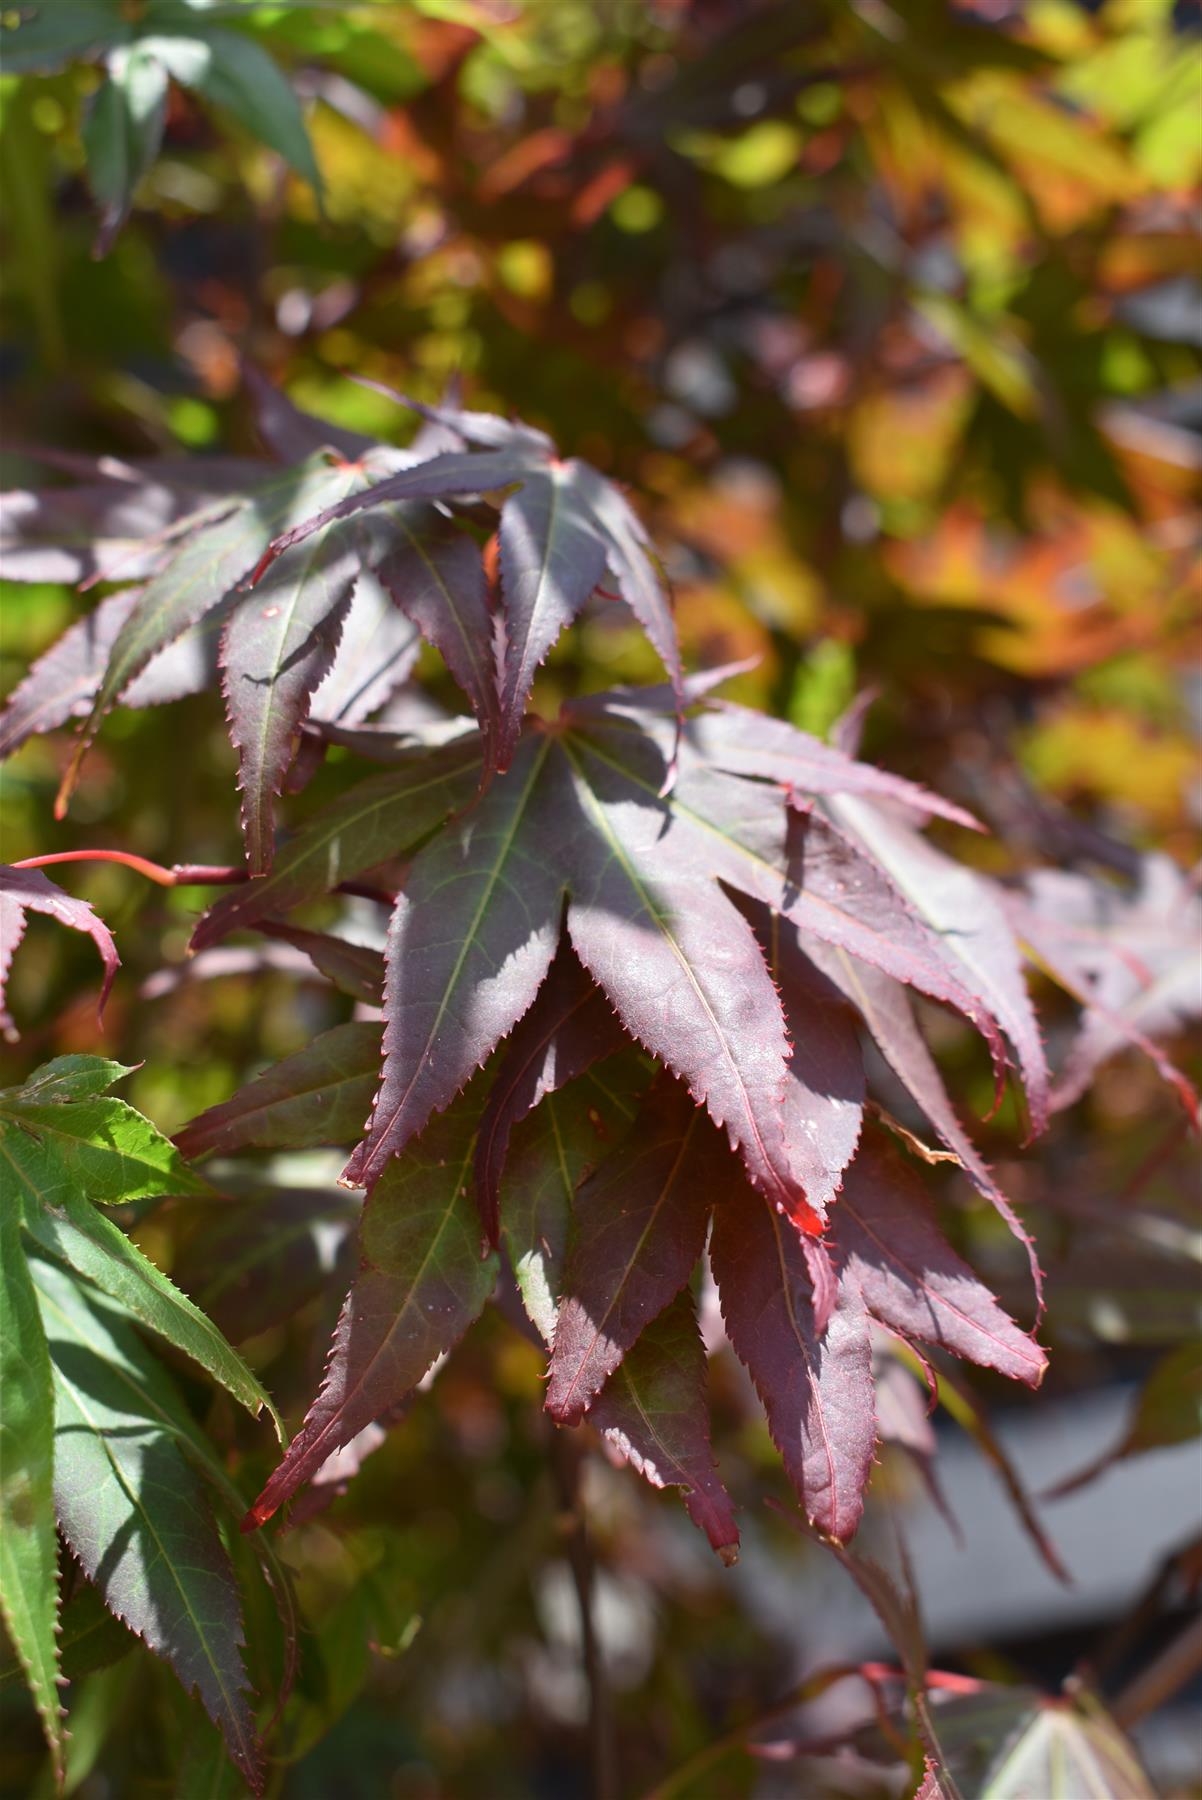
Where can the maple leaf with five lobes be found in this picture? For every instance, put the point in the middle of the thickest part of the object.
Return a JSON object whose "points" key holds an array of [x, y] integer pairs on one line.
{"points": [[304, 537], [207, 562], [562, 526], [580, 820]]}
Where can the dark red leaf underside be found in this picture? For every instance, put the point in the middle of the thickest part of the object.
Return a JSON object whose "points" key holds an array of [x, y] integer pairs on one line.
{"points": [[903, 1418], [889, 1015], [640, 1227], [570, 1027], [964, 909], [653, 1410], [421, 1283], [279, 644], [892, 1251], [1129, 956], [750, 743], [434, 575], [320, 1095], [471, 939], [678, 961], [744, 833], [816, 1387], [845, 898]]}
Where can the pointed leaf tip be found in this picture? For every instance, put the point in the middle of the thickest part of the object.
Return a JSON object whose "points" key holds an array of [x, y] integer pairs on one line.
{"points": [[23, 891], [641, 1223], [815, 1383], [653, 1412]]}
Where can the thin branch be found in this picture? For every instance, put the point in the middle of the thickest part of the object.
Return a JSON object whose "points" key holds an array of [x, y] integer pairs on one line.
{"points": [[180, 875], [565, 1464]]}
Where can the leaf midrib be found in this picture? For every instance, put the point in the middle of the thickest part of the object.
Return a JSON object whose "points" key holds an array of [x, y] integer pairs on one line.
{"points": [[818, 1408], [661, 1200], [619, 853], [933, 1297], [316, 559], [135, 1501], [332, 1425], [676, 805], [467, 944]]}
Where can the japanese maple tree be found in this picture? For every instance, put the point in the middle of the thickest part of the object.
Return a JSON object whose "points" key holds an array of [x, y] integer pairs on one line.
{"points": [[583, 1007], [693, 917]]}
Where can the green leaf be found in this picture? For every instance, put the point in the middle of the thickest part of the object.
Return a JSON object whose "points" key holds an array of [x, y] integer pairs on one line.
{"points": [[96, 1712], [94, 1247], [89, 1638], [28, 1553], [236, 74], [1007, 1743], [122, 132], [203, 1771], [71, 1078], [55, 34], [96, 1146], [65, 1153], [132, 1509]]}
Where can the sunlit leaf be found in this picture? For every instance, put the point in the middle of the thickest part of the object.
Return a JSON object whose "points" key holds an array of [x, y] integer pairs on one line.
{"points": [[28, 1551], [132, 1510]]}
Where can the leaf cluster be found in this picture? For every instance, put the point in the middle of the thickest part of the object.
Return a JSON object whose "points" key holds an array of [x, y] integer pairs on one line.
{"points": [[96, 1437]]}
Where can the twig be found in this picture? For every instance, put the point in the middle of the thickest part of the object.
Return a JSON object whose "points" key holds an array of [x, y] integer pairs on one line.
{"points": [[180, 875], [565, 1465]]}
